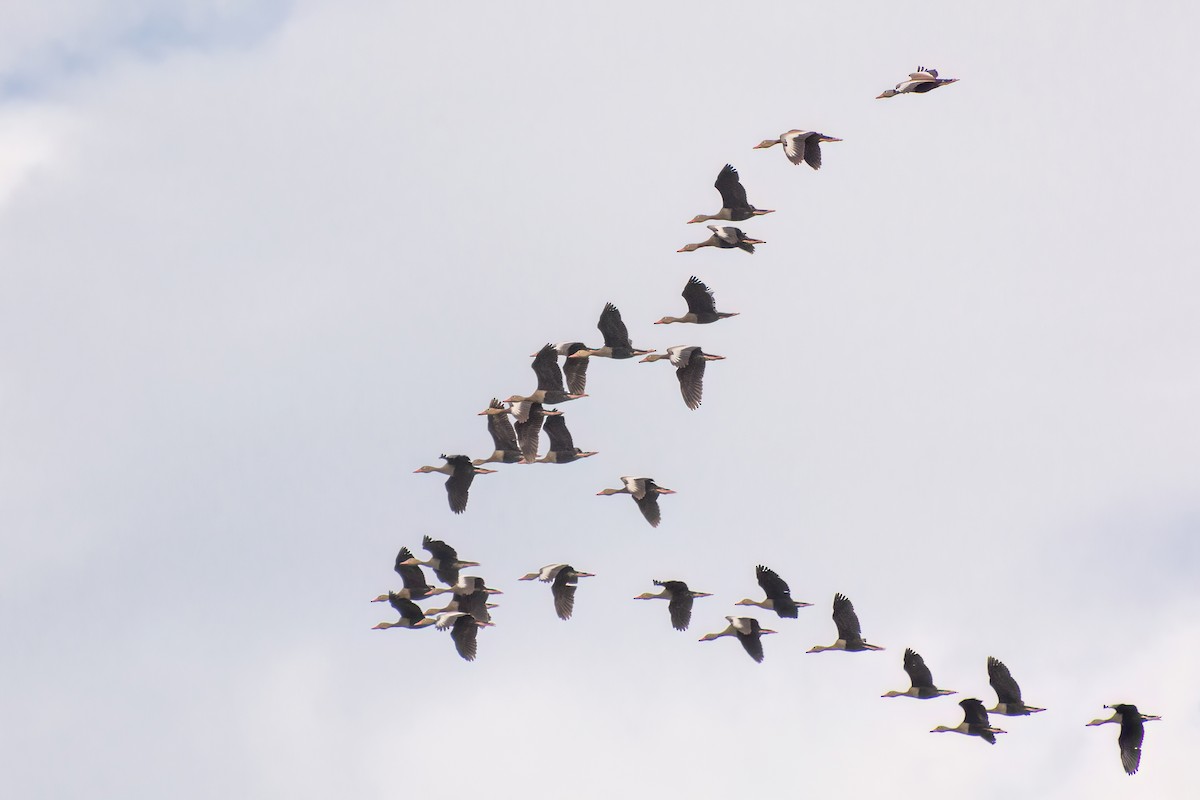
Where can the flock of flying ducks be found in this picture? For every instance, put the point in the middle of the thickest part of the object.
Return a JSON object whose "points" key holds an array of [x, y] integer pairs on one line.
{"points": [[516, 424]]}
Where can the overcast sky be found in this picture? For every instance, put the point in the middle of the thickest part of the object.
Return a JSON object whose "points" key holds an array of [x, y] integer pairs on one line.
{"points": [[261, 260]]}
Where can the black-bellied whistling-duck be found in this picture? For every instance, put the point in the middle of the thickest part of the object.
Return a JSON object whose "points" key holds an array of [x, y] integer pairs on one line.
{"points": [[779, 595], [645, 493], [702, 309], [975, 722], [681, 599], [849, 631], [800, 147], [919, 82], [689, 361], [748, 632], [725, 238], [734, 205], [462, 472]]}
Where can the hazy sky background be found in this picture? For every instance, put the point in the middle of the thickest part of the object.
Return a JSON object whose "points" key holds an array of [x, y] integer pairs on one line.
{"points": [[260, 260]]}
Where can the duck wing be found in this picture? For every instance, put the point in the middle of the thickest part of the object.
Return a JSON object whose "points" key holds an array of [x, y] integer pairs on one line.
{"points": [[612, 328], [699, 297]]}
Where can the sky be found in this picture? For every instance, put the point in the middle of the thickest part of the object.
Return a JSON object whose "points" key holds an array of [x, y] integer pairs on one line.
{"points": [[261, 260]]}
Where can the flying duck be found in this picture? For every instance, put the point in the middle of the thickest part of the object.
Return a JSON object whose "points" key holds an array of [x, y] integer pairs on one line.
{"points": [[462, 472], [702, 308], [645, 493], [800, 146], [415, 586], [923, 687], [550, 388], [689, 363], [975, 722], [734, 206], [725, 238], [562, 446], [411, 615], [504, 438], [680, 597], [921, 81], [748, 632], [1132, 731], [443, 560], [616, 338], [564, 579], [463, 631], [849, 631], [1008, 693], [779, 595]]}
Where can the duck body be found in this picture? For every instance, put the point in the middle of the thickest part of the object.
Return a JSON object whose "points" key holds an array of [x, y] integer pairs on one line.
{"points": [[850, 637], [702, 309], [680, 598], [800, 147], [645, 493], [975, 722], [462, 474], [923, 687], [919, 82], [779, 594], [748, 632], [734, 205], [725, 238], [689, 361], [1008, 693], [617, 344]]}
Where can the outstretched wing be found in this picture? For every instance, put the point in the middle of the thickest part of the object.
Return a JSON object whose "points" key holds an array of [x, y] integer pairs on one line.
{"points": [[733, 194], [691, 381], [563, 589], [560, 437], [612, 328], [845, 619], [464, 634], [1007, 690], [699, 297], [501, 429], [918, 673], [545, 366]]}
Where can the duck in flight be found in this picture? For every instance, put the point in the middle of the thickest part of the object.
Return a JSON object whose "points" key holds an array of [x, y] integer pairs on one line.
{"points": [[462, 473], [800, 147], [702, 308], [779, 594], [748, 631], [734, 205], [975, 722], [680, 599], [563, 580], [725, 238], [645, 493], [919, 82], [1008, 693], [923, 686], [411, 615], [849, 632], [689, 361], [616, 338], [1132, 732]]}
